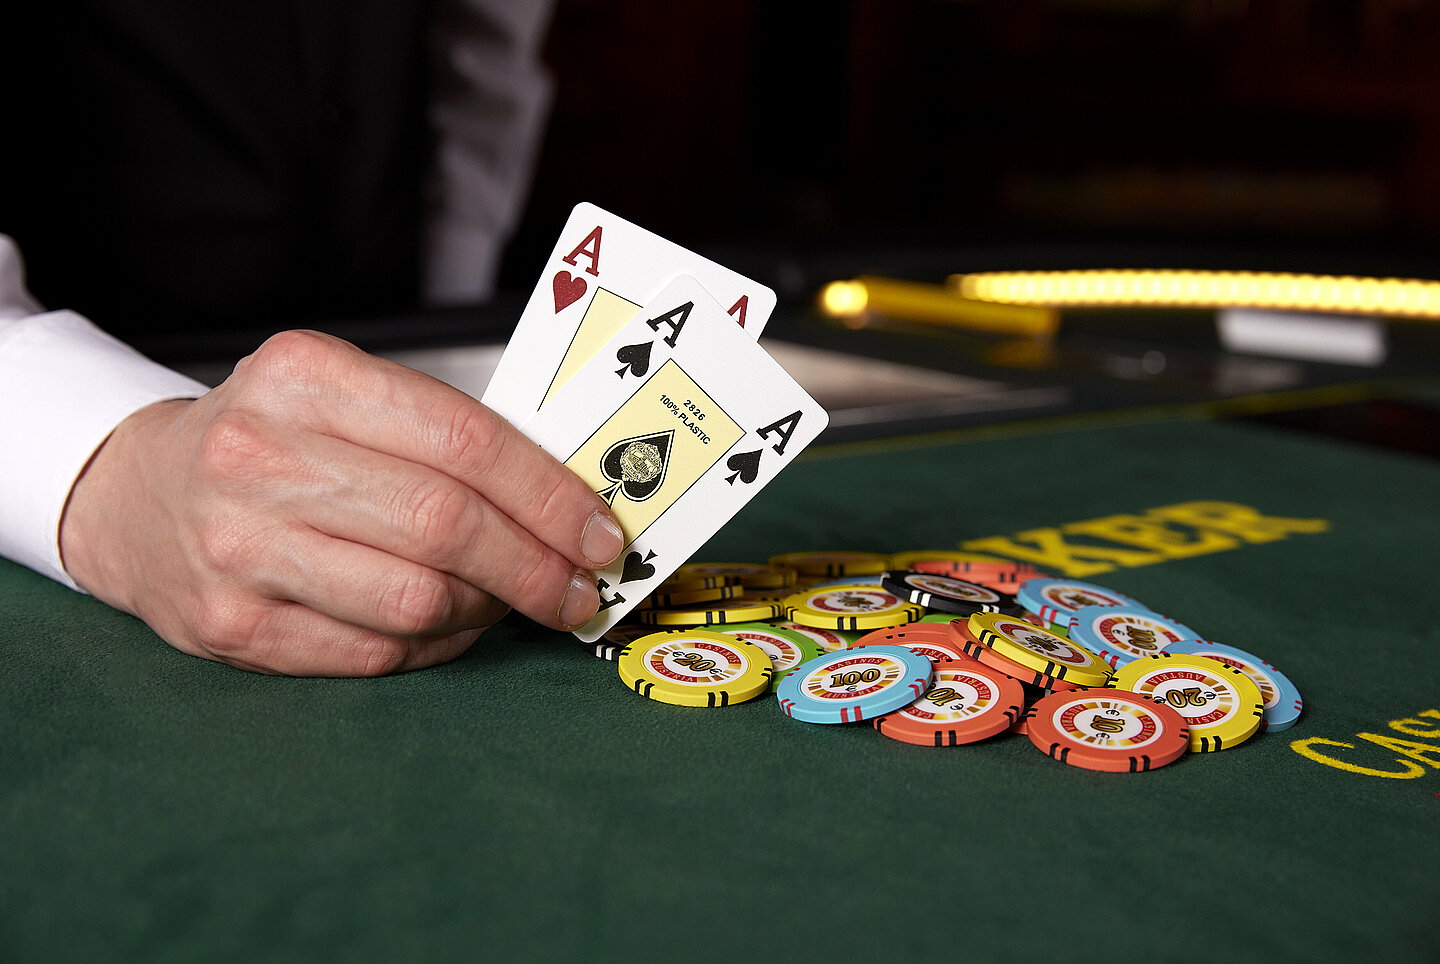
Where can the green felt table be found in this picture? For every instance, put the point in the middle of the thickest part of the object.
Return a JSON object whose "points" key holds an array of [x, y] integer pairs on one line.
{"points": [[521, 803]]}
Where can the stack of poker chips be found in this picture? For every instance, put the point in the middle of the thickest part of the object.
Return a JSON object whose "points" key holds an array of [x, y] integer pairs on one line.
{"points": [[939, 648]]}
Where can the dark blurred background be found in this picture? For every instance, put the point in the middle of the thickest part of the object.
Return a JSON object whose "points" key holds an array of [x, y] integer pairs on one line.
{"points": [[800, 144], [1305, 135]]}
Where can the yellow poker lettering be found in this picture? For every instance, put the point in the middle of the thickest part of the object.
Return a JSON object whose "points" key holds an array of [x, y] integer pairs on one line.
{"points": [[1049, 550], [1409, 750], [1153, 534], [1160, 534]]}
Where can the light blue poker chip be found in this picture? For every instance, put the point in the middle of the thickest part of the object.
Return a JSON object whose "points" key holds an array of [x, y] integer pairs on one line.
{"points": [[1119, 634], [1283, 704], [852, 685], [1055, 600]]}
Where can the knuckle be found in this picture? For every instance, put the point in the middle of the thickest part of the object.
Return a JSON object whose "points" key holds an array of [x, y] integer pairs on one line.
{"points": [[380, 656], [234, 445], [416, 604], [225, 546], [295, 352], [552, 501], [475, 438], [435, 514], [540, 579], [289, 363], [226, 625]]}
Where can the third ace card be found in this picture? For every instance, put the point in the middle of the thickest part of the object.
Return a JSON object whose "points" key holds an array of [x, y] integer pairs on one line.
{"points": [[677, 422], [602, 270]]}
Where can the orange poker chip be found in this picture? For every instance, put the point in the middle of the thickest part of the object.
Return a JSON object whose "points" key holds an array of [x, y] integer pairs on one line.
{"points": [[967, 702], [1022, 725], [1008, 571], [1114, 731], [934, 641]]}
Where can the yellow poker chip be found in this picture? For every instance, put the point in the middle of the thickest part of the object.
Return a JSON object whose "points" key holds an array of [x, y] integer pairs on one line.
{"points": [[768, 595], [905, 560], [809, 582], [710, 614], [751, 575], [695, 667], [833, 564], [1039, 649], [688, 597], [851, 607], [1221, 705], [679, 581]]}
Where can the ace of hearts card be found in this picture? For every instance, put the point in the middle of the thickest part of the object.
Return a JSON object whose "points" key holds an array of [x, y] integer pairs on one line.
{"points": [[603, 268]]}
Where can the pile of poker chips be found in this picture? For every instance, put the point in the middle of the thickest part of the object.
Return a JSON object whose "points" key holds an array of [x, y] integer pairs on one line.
{"points": [[941, 648]]}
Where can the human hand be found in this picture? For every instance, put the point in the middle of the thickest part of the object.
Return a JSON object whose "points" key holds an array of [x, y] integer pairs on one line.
{"points": [[325, 512]]}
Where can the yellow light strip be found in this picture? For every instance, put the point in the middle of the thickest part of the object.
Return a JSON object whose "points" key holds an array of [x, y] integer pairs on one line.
{"points": [[931, 303], [1343, 294]]}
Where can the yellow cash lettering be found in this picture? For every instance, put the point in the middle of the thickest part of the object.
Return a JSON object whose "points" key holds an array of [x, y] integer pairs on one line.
{"points": [[1416, 751], [1413, 727], [1306, 748]]}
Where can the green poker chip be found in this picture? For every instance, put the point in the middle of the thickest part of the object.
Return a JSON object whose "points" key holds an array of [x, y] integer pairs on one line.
{"points": [[786, 648]]}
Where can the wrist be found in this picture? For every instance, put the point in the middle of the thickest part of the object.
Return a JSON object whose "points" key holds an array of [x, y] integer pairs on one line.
{"points": [[101, 511]]}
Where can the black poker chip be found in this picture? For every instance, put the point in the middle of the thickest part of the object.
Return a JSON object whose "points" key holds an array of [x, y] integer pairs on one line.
{"points": [[947, 594]]}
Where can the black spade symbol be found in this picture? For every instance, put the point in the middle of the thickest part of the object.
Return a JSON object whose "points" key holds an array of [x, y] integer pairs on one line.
{"points": [[746, 466], [634, 358], [637, 568]]}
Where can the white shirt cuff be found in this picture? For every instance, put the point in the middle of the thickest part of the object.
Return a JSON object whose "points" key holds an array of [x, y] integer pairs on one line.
{"points": [[64, 386]]}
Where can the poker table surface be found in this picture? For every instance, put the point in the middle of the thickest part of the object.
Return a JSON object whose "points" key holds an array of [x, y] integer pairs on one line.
{"points": [[522, 802]]}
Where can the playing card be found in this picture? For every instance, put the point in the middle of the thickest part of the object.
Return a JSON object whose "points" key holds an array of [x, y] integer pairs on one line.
{"points": [[602, 270], [677, 423]]}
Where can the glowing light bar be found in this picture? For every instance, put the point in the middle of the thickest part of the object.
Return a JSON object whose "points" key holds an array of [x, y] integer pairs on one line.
{"points": [[1399, 297], [853, 300], [842, 299]]}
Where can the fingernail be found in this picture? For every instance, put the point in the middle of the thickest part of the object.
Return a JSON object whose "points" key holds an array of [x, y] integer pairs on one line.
{"points": [[601, 540], [581, 600]]}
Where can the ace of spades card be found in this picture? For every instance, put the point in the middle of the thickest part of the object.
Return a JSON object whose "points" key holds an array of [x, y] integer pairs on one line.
{"points": [[676, 423], [603, 268]]}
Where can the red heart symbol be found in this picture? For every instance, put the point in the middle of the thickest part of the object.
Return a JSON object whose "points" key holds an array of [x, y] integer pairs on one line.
{"points": [[568, 290]]}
